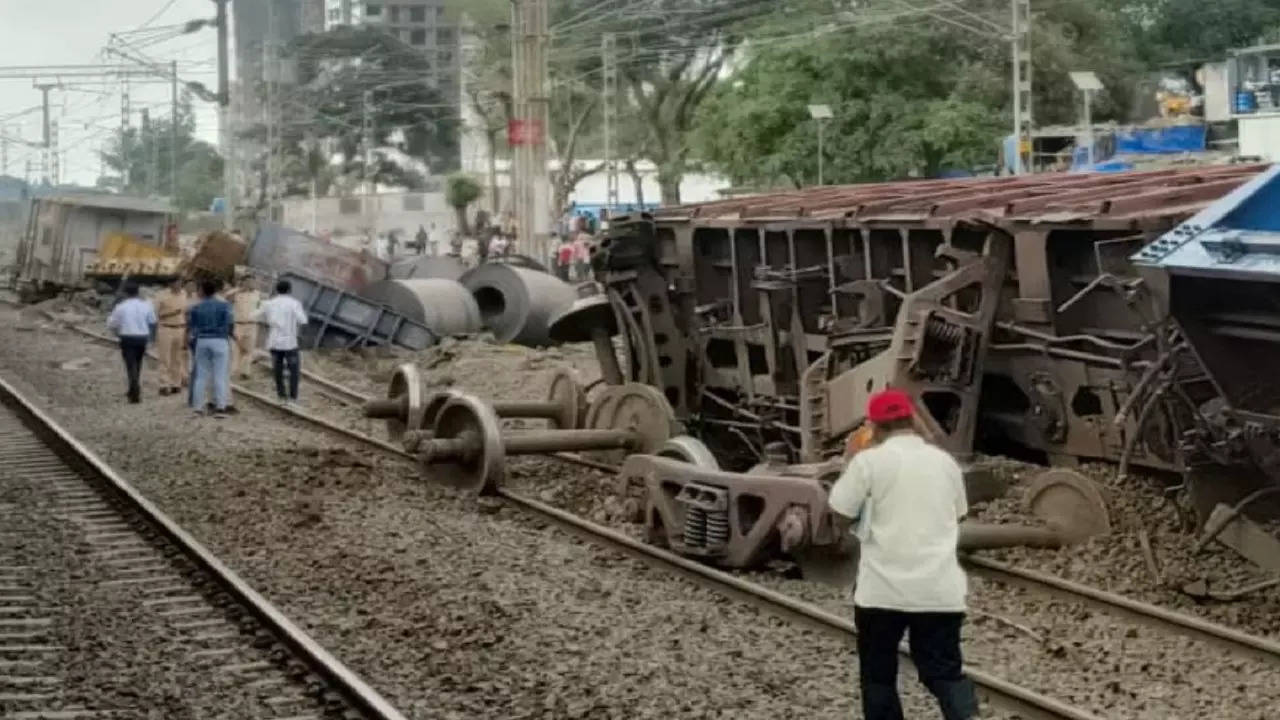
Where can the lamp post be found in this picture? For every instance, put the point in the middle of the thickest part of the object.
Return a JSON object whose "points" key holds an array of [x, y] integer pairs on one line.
{"points": [[820, 114], [1087, 83]]}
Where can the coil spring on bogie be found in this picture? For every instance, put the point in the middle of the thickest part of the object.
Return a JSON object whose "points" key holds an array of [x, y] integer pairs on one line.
{"points": [[695, 527], [705, 528], [944, 331], [717, 529]]}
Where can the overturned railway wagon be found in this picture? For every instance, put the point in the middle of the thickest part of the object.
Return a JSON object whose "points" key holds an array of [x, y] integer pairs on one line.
{"points": [[1056, 318], [1009, 307]]}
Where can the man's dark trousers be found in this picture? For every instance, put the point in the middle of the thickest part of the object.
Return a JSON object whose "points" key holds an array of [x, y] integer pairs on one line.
{"points": [[935, 650], [133, 348], [280, 361]]}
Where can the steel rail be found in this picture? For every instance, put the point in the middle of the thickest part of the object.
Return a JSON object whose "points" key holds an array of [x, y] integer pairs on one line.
{"points": [[337, 677], [1230, 639], [997, 691]]}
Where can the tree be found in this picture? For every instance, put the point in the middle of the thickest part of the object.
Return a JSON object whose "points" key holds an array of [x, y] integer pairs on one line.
{"points": [[911, 98], [347, 74], [460, 190], [131, 155]]}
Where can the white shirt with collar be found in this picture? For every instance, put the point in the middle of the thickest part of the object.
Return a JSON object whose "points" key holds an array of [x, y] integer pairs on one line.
{"points": [[283, 315], [132, 318], [908, 497]]}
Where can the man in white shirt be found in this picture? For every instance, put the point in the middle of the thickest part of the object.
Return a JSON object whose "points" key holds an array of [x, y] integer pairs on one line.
{"points": [[284, 317], [134, 322], [907, 498]]}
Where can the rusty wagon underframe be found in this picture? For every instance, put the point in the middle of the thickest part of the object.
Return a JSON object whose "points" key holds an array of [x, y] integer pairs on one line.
{"points": [[1009, 307]]}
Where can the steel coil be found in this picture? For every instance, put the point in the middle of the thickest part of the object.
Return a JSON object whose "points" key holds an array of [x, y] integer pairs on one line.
{"points": [[516, 304], [445, 306]]}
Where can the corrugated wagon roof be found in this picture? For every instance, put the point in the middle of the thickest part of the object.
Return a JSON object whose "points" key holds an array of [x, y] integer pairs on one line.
{"points": [[1056, 198]]}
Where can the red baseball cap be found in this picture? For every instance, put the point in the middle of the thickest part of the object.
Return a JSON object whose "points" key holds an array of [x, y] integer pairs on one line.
{"points": [[889, 405]]}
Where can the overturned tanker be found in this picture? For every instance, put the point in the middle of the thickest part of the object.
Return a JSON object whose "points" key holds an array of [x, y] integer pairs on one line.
{"points": [[740, 340]]}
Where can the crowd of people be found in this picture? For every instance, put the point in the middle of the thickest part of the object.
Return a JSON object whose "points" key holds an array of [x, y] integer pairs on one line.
{"points": [[204, 334]]}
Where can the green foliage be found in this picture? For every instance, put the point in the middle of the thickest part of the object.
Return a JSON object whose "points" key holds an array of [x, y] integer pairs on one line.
{"points": [[1176, 30], [911, 98], [129, 159], [460, 190]]}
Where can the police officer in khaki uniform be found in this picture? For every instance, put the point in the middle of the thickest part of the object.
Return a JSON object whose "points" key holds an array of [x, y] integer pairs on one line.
{"points": [[244, 299], [171, 310]]}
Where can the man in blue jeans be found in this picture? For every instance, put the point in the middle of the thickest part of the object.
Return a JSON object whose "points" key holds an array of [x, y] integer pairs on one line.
{"points": [[210, 323]]}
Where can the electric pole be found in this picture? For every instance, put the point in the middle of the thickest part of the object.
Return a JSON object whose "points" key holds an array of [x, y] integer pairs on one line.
{"points": [[609, 61], [1022, 116], [531, 187], [149, 147], [55, 157], [46, 138], [224, 116], [4, 150], [370, 182], [126, 170], [173, 133]]}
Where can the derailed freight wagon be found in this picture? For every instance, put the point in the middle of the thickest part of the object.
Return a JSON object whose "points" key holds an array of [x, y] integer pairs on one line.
{"points": [[64, 234], [740, 340], [1009, 308]]}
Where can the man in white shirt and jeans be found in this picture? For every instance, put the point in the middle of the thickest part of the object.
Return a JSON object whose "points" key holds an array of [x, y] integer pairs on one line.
{"points": [[284, 316], [906, 498], [134, 322]]}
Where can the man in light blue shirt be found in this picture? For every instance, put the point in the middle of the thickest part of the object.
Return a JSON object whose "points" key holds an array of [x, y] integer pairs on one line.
{"points": [[134, 322]]}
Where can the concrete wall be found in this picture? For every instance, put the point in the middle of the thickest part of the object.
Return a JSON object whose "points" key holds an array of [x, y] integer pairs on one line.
{"points": [[342, 217]]}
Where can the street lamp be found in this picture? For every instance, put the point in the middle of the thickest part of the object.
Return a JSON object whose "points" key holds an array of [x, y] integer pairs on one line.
{"points": [[1087, 83], [820, 114]]}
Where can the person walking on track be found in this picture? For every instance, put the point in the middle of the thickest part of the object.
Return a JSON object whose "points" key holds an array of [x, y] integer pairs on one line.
{"points": [[210, 324], [134, 322], [171, 309], [906, 498], [284, 316]]}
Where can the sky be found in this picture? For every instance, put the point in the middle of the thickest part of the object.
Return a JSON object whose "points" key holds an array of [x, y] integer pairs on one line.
{"points": [[74, 32]]}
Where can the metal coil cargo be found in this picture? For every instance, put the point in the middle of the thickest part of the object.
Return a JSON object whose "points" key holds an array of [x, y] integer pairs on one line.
{"points": [[443, 305], [516, 304]]}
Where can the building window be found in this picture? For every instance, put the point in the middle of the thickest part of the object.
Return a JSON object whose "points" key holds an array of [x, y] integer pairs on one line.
{"points": [[417, 14], [444, 36], [335, 15], [349, 206], [395, 13], [446, 58], [372, 10], [414, 203], [418, 38]]}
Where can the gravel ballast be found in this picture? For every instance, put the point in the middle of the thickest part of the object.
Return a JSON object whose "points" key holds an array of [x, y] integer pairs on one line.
{"points": [[450, 610], [1112, 666]]}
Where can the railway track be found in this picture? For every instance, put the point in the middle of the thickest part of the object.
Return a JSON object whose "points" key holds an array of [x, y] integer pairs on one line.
{"points": [[998, 692], [995, 691], [1162, 619], [93, 567]]}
